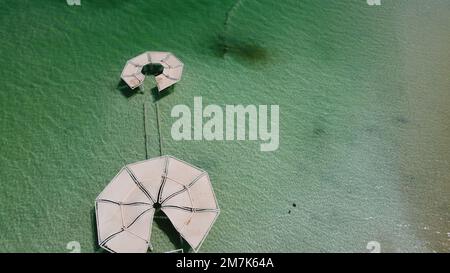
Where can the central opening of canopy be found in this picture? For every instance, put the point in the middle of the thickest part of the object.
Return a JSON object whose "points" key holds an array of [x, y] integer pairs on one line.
{"points": [[152, 69], [157, 206]]}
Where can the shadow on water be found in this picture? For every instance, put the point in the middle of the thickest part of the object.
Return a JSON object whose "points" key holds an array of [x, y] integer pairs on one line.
{"points": [[248, 51], [95, 245], [173, 235], [157, 95], [126, 91]]}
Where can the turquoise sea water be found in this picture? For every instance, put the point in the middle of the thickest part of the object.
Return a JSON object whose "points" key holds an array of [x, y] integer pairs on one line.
{"points": [[364, 137]]}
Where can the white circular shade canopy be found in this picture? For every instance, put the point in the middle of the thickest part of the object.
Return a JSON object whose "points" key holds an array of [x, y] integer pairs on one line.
{"points": [[172, 69], [125, 208]]}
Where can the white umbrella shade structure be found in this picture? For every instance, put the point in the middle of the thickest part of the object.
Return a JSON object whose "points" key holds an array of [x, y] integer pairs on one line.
{"points": [[171, 74], [125, 208]]}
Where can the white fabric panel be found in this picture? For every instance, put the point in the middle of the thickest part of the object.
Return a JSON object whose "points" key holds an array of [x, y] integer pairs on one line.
{"points": [[182, 172], [141, 60], [172, 61], [170, 187], [174, 73], [130, 69], [192, 226], [109, 220], [121, 188], [126, 242], [137, 195], [180, 200], [202, 194], [179, 217], [157, 56], [132, 81], [131, 212], [140, 77], [198, 227], [143, 225], [163, 82], [149, 173]]}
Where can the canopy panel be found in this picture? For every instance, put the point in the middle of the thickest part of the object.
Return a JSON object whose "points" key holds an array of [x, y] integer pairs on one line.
{"points": [[193, 226]]}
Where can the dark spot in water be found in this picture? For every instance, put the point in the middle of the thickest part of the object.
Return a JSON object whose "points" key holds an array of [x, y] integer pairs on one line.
{"points": [[247, 50], [402, 120], [289, 212], [294, 205], [371, 130], [319, 131], [411, 178]]}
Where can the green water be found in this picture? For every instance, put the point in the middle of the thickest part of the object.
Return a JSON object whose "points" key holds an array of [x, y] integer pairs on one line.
{"points": [[364, 136]]}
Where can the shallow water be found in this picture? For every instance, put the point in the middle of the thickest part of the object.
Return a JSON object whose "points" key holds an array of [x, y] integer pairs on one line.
{"points": [[364, 136]]}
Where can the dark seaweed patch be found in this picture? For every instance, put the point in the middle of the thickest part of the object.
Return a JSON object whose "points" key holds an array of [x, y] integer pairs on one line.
{"points": [[246, 50], [319, 131]]}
